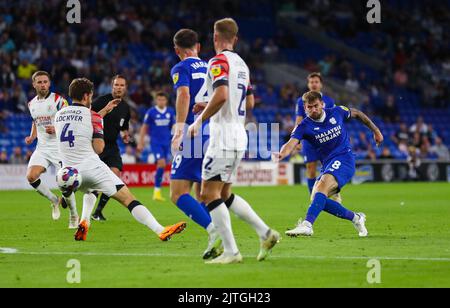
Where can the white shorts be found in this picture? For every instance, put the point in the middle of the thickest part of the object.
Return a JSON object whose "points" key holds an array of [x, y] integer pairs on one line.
{"points": [[100, 179], [221, 166], [45, 160]]}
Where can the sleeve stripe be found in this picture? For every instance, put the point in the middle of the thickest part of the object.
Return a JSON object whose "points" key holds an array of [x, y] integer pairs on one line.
{"points": [[220, 82], [97, 136]]}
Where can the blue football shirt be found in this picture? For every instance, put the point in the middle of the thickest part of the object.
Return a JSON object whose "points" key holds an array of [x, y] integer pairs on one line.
{"points": [[329, 137], [160, 124], [191, 73]]}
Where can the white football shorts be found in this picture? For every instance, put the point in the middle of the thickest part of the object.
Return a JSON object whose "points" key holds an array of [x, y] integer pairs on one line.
{"points": [[100, 179], [221, 166], [45, 160]]}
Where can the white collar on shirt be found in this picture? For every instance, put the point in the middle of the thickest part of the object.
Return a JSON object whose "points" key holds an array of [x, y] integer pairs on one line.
{"points": [[161, 110]]}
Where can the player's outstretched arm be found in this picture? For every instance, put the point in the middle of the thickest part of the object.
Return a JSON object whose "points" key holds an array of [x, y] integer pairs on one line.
{"points": [[286, 150], [109, 107], [363, 118]]}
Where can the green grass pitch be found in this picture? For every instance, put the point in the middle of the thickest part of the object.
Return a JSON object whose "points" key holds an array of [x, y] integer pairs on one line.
{"points": [[408, 224]]}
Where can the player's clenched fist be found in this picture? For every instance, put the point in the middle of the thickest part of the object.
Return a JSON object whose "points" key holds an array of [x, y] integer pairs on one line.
{"points": [[378, 137], [29, 140], [112, 104], [198, 107], [276, 157], [50, 130]]}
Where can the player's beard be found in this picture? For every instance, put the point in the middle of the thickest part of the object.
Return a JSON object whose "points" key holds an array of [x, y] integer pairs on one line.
{"points": [[316, 117], [43, 93]]}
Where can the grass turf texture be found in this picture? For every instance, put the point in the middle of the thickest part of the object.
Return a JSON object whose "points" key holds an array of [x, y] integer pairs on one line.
{"points": [[408, 225]]}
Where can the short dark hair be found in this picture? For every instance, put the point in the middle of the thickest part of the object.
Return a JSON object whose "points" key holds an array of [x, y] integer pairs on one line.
{"points": [[162, 94], [79, 87], [185, 38], [316, 75], [40, 73], [311, 96], [118, 76]]}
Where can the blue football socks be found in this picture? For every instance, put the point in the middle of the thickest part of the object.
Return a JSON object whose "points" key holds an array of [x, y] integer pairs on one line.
{"points": [[194, 210]]}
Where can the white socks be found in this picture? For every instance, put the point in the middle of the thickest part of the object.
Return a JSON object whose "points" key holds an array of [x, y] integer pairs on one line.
{"points": [[143, 215], [44, 191], [243, 210], [72, 203], [88, 206], [222, 221]]}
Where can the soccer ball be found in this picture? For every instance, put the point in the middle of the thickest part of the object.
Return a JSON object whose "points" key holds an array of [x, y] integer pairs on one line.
{"points": [[68, 179]]}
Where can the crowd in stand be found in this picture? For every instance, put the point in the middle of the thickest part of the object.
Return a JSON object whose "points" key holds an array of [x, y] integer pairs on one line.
{"points": [[411, 40], [135, 39]]}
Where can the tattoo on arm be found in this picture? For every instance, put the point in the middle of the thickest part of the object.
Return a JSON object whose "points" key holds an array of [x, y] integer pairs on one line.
{"points": [[363, 118]]}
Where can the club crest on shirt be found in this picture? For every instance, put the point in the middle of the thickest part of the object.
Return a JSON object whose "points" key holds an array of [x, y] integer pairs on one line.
{"points": [[333, 121], [167, 116], [176, 77]]}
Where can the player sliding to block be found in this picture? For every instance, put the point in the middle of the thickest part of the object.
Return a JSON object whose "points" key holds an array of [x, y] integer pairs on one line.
{"points": [[80, 134], [229, 83], [325, 130]]}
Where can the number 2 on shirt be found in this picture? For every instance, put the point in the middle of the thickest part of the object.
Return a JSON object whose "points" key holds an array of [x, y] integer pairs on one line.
{"points": [[202, 93], [241, 108]]}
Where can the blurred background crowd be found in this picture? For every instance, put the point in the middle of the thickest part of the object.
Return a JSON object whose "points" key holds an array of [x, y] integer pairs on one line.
{"points": [[397, 72]]}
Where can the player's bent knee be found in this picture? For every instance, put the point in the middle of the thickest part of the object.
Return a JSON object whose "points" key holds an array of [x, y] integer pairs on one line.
{"points": [[178, 189], [175, 196], [33, 176], [124, 196]]}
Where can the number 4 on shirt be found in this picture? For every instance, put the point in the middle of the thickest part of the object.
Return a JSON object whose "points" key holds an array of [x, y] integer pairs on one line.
{"points": [[67, 136]]}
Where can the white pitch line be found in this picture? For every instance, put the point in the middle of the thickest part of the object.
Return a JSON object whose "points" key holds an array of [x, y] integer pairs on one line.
{"points": [[7, 250], [119, 254]]}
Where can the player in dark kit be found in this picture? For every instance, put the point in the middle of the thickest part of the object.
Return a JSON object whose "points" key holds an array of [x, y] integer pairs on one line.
{"points": [[325, 130], [116, 117]]}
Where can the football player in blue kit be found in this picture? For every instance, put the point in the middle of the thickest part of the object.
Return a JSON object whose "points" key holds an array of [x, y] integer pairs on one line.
{"points": [[189, 79], [326, 132], [310, 155], [158, 123]]}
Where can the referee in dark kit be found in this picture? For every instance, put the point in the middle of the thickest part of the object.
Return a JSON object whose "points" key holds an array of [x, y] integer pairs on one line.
{"points": [[116, 117]]}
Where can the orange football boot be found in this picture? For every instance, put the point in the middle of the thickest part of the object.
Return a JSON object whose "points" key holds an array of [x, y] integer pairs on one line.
{"points": [[83, 228], [171, 230]]}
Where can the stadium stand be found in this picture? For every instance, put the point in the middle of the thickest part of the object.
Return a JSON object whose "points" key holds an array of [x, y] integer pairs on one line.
{"points": [[135, 39]]}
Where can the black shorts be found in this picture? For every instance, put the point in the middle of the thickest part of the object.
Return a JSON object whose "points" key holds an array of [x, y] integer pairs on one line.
{"points": [[111, 157]]}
